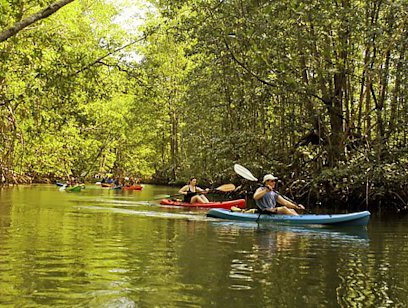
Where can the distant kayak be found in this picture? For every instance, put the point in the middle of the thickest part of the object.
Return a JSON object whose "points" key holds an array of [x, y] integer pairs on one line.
{"points": [[352, 219], [133, 187], [240, 203], [75, 188], [59, 184], [107, 185]]}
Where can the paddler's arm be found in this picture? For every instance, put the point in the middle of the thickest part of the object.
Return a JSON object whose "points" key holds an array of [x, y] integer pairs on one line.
{"points": [[202, 191], [183, 190], [260, 192], [287, 203]]}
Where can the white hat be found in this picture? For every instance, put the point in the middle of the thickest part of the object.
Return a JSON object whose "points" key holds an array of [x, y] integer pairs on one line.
{"points": [[269, 177]]}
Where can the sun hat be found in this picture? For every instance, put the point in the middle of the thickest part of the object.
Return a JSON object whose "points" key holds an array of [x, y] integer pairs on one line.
{"points": [[269, 177]]}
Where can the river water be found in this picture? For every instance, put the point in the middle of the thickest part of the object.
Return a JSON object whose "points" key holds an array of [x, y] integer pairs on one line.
{"points": [[104, 248]]}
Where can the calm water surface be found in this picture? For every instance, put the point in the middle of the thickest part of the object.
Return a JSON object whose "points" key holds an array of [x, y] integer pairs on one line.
{"points": [[103, 248]]}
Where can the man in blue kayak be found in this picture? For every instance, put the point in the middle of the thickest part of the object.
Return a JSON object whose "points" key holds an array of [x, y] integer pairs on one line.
{"points": [[267, 199]]}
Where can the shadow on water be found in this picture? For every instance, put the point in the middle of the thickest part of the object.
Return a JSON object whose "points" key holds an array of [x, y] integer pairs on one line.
{"points": [[349, 233]]}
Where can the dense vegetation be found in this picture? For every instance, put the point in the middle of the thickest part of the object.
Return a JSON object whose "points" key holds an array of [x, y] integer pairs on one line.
{"points": [[313, 91]]}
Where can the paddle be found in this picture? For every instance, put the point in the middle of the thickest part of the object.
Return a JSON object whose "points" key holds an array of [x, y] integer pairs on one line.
{"points": [[222, 188], [246, 174]]}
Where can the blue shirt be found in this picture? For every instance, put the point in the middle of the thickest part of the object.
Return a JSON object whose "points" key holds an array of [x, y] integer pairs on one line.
{"points": [[268, 201]]}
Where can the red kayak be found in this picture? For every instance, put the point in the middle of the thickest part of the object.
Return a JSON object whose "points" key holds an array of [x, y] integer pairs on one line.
{"points": [[220, 205], [133, 187]]}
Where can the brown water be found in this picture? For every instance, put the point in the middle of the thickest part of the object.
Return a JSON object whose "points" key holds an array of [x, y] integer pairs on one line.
{"points": [[103, 248]]}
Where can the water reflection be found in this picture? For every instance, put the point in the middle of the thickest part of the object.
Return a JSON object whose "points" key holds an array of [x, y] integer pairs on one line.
{"points": [[277, 255], [340, 232], [103, 249]]}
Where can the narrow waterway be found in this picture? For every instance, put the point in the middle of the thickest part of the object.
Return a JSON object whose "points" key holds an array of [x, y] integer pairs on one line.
{"points": [[107, 248]]}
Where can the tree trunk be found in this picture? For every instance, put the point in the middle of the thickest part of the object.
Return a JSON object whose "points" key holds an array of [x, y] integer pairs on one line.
{"points": [[174, 143], [380, 105]]}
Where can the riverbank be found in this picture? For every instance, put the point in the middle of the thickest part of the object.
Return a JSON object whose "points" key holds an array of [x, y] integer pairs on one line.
{"points": [[376, 197]]}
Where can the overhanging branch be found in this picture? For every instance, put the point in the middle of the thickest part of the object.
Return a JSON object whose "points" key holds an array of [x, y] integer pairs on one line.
{"points": [[18, 26]]}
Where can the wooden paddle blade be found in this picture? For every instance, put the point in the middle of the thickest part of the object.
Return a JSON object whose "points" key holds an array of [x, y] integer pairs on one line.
{"points": [[226, 187], [244, 172]]}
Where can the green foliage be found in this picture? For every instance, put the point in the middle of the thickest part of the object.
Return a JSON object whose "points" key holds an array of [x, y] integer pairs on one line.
{"points": [[61, 108], [313, 91], [268, 73]]}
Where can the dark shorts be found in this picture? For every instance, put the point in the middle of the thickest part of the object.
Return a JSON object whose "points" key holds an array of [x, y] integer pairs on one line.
{"points": [[187, 198], [268, 212]]}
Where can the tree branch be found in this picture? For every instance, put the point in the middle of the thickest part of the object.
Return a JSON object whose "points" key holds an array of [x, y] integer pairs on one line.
{"points": [[99, 60], [107, 55], [245, 67], [18, 26]]}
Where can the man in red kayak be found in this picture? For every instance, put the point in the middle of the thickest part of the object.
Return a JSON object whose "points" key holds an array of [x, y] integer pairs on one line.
{"points": [[267, 199], [192, 193]]}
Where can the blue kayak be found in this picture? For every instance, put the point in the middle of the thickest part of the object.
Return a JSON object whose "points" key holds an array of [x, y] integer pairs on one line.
{"points": [[352, 219]]}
